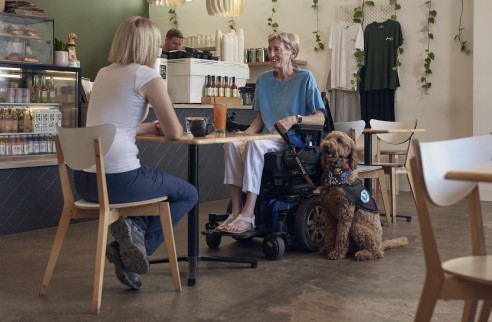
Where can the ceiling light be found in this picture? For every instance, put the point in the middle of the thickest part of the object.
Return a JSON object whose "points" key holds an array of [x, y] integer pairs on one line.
{"points": [[225, 8]]}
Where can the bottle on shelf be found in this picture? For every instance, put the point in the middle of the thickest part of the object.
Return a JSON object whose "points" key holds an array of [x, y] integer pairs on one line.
{"points": [[234, 89], [215, 87], [208, 86], [227, 87], [30, 145], [2, 112], [8, 145], [220, 86], [44, 90], [36, 90], [43, 145], [51, 91], [2, 146], [26, 145], [27, 120], [35, 144], [20, 120]]}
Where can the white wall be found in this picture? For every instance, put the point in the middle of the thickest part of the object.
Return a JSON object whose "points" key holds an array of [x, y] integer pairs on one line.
{"points": [[482, 69]]}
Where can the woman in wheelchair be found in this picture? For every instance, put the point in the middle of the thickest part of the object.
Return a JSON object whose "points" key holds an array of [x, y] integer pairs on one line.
{"points": [[284, 96]]}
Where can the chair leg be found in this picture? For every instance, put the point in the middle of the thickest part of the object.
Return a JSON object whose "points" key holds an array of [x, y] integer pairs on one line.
{"points": [[102, 240], [167, 228], [393, 189], [384, 195], [60, 235], [485, 311], [469, 310], [427, 302], [395, 159]]}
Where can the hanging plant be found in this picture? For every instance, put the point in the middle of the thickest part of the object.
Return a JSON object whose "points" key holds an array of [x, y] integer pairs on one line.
{"points": [[232, 24], [397, 7], [319, 45], [431, 15], [271, 23], [463, 43], [359, 54], [174, 17]]}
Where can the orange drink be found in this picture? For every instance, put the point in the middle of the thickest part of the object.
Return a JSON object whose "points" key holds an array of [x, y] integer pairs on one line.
{"points": [[220, 114]]}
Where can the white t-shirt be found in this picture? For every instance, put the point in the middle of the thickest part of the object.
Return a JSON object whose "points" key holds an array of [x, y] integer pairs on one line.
{"points": [[345, 38], [116, 99]]}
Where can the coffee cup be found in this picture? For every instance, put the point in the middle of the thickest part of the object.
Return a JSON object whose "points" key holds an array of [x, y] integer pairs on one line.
{"points": [[200, 127]]}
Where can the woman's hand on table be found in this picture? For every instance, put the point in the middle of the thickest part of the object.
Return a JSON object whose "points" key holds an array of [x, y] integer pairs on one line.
{"points": [[150, 128]]}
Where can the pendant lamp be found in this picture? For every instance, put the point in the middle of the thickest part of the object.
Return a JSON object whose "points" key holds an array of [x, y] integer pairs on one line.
{"points": [[169, 3], [225, 8]]}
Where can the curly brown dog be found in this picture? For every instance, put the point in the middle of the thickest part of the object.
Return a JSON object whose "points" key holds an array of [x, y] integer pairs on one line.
{"points": [[352, 224]]}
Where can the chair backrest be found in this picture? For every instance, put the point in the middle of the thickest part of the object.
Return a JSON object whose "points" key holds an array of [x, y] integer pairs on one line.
{"points": [[394, 138], [428, 165], [437, 158], [77, 144], [353, 129]]}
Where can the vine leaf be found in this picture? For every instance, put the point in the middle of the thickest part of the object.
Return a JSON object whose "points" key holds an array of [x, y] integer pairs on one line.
{"points": [[319, 45], [425, 85], [463, 44]]}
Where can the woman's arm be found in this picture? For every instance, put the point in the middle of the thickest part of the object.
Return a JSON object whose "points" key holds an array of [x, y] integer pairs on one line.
{"points": [[287, 122], [156, 93], [256, 126]]}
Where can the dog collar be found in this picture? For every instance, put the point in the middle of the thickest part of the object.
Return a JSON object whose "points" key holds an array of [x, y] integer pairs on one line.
{"points": [[336, 174]]}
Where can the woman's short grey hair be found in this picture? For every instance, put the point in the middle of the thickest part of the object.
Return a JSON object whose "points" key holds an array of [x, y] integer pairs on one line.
{"points": [[137, 40], [289, 39]]}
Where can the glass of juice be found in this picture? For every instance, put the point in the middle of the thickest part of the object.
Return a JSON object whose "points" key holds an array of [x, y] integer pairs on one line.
{"points": [[220, 114]]}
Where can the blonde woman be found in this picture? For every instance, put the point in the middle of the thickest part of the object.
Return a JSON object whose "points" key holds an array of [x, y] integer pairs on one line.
{"points": [[121, 94]]}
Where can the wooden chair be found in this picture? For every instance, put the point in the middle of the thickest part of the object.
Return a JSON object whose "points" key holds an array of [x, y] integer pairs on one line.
{"points": [[354, 130], [402, 143], [468, 277], [80, 148]]}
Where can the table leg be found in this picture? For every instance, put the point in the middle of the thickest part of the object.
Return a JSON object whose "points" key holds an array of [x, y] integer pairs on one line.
{"points": [[368, 158]]}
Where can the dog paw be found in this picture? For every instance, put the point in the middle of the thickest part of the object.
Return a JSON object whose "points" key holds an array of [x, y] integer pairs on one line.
{"points": [[335, 255]]}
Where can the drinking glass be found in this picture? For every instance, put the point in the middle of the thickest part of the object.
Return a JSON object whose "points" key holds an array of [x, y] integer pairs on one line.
{"points": [[220, 115]]}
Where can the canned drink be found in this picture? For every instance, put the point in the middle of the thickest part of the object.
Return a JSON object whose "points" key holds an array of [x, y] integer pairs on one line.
{"points": [[260, 55], [18, 95], [251, 55], [26, 95]]}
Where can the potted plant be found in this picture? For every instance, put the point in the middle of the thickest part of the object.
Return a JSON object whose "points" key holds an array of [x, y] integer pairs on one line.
{"points": [[61, 53]]}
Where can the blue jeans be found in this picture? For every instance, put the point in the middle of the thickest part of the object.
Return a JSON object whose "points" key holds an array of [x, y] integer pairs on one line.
{"points": [[142, 184]]}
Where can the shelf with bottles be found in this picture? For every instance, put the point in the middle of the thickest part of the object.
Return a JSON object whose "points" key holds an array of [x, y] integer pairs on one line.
{"points": [[267, 63]]}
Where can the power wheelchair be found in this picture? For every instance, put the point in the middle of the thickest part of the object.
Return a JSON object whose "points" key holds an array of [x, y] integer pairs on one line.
{"points": [[288, 209]]}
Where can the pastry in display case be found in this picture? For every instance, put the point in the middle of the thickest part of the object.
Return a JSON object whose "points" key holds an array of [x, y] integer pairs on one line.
{"points": [[26, 39]]}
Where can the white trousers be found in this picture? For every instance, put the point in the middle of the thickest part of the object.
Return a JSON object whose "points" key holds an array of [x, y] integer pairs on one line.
{"points": [[244, 162]]}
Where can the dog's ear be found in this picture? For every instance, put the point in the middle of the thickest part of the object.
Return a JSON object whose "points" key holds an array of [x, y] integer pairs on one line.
{"points": [[353, 155], [322, 154]]}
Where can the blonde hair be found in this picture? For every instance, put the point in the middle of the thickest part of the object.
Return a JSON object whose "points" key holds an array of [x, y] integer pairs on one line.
{"points": [[289, 39], [137, 40]]}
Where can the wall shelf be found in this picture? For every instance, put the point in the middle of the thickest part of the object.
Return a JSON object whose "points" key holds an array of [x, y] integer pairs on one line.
{"points": [[296, 62]]}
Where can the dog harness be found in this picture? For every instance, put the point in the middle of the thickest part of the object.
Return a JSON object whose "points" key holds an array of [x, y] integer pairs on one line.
{"points": [[337, 174]]}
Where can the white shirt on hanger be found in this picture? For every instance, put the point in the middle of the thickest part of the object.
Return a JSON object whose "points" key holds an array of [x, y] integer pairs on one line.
{"points": [[345, 38]]}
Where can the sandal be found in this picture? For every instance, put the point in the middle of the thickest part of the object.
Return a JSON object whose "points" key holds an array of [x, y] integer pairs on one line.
{"points": [[226, 223], [239, 230]]}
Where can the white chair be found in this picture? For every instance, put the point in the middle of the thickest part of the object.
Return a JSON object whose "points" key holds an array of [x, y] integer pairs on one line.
{"points": [[80, 148], [354, 130], [468, 277], [402, 143]]}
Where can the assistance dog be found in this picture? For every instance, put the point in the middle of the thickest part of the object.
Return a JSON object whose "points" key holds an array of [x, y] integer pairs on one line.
{"points": [[352, 221]]}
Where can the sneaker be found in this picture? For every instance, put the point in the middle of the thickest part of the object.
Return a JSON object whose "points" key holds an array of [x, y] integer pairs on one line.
{"points": [[127, 278], [131, 240]]}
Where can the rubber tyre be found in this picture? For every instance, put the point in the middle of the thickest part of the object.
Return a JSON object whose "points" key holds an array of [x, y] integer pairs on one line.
{"points": [[309, 225], [213, 241], [273, 247]]}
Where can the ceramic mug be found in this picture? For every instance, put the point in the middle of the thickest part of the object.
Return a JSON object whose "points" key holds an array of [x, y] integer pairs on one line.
{"points": [[200, 127]]}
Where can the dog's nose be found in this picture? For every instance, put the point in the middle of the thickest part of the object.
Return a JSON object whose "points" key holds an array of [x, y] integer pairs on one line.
{"points": [[328, 149]]}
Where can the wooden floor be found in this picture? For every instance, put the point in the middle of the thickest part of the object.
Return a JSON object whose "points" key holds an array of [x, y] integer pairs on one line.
{"points": [[298, 287]]}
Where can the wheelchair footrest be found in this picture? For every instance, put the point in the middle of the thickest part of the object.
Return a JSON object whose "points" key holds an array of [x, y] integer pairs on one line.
{"points": [[248, 234]]}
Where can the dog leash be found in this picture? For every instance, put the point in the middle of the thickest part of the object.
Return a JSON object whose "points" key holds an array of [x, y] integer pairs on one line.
{"points": [[293, 151]]}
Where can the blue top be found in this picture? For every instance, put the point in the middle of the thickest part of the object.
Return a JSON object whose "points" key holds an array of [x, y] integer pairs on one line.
{"points": [[276, 99]]}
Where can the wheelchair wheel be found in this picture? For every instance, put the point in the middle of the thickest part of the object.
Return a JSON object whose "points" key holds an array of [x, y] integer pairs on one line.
{"points": [[213, 241], [273, 247], [309, 224]]}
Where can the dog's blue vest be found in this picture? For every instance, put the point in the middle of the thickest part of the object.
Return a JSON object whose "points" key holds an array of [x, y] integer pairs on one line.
{"points": [[356, 192]]}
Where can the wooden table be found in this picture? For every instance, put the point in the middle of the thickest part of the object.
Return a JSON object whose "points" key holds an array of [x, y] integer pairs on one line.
{"points": [[481, 172], [193, 217]]}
